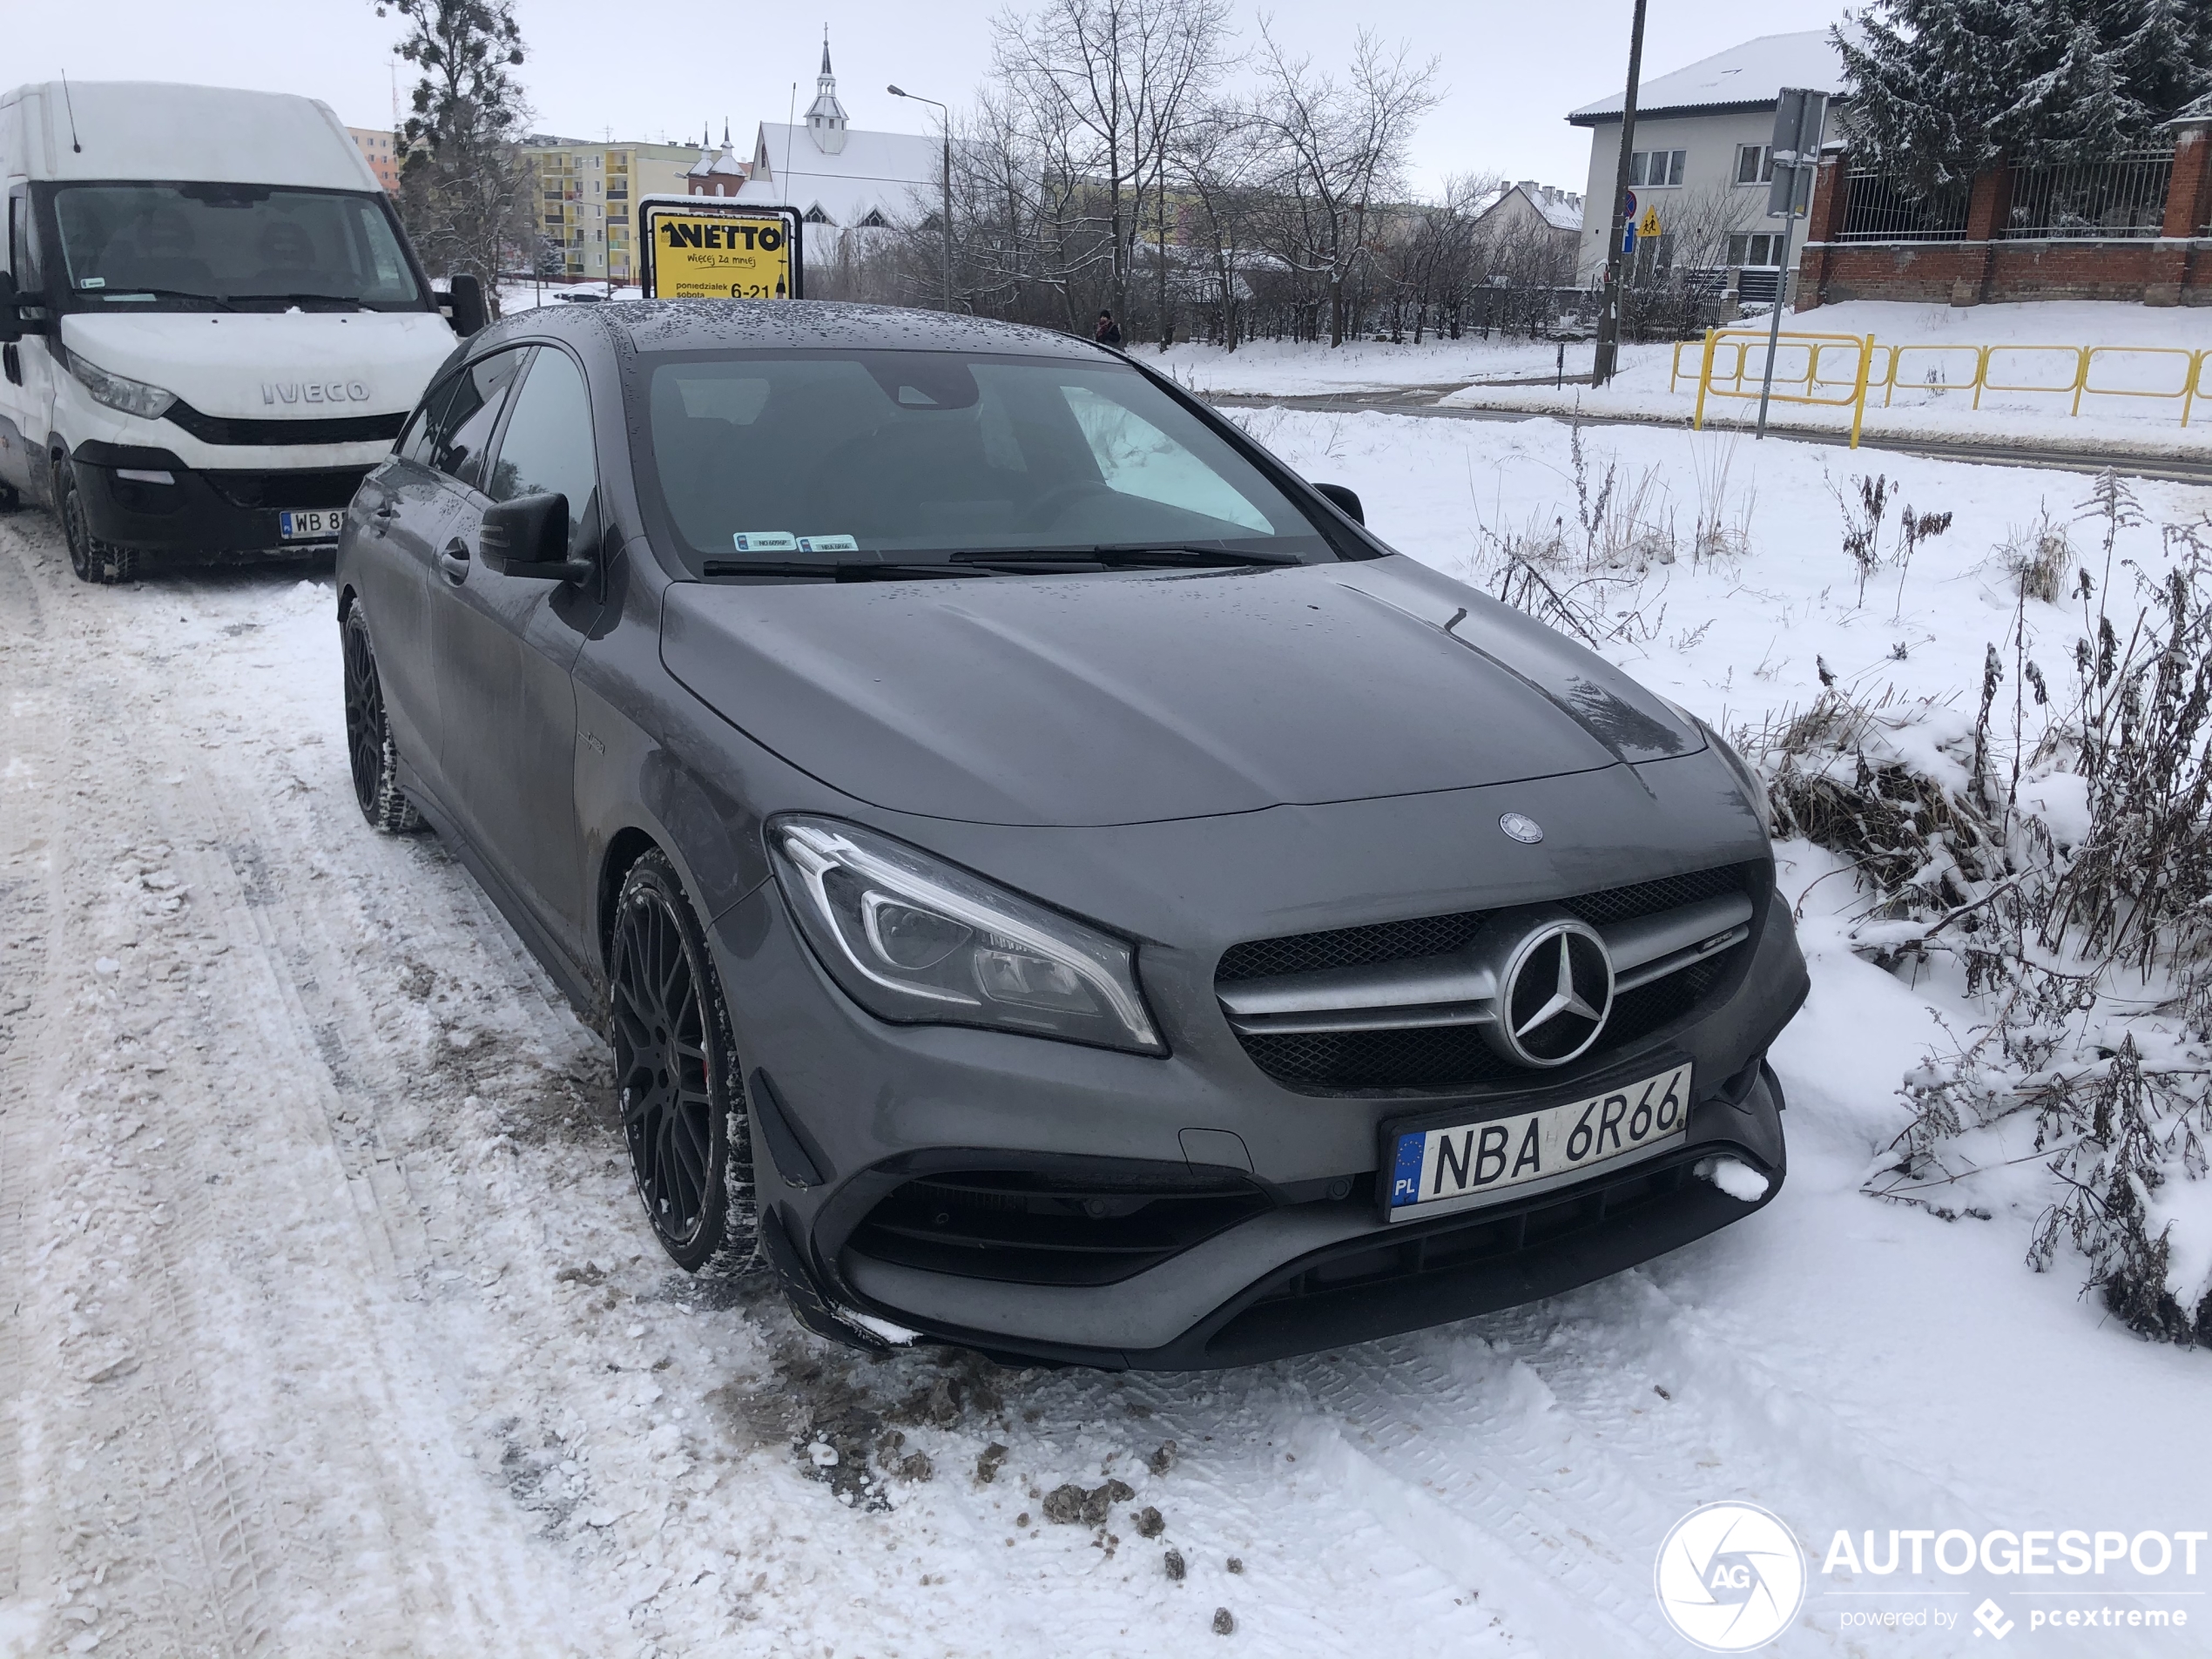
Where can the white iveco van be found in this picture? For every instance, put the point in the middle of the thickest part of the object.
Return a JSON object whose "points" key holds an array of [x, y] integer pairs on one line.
{"points": [[211, 322]]}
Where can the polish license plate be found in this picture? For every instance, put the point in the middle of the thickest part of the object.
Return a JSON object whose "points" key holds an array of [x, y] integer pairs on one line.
{"points": [[1461, 1165], [320, 525]]}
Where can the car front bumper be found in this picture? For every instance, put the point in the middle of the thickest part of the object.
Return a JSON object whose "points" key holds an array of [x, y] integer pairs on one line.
{"points": [[866, 1115], [228, 513]]}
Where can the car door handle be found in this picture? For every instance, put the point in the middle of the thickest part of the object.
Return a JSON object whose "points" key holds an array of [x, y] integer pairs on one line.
{"points": [[455, 562]]}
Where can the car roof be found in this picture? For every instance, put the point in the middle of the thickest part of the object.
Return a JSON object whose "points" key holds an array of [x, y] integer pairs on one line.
{"points": [[705, 325]]}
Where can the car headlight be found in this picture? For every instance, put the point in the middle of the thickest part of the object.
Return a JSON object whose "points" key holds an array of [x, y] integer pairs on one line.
{"points": [[914, 939], [120, 392]]}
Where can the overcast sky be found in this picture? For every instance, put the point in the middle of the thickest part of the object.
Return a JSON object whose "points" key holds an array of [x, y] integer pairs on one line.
{"points": [[641, 69]]}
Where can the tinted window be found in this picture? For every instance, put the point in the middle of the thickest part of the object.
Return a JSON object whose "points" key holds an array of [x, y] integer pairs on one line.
{"points": [[906, 453], [420, 438], [464, 427], [547, 447]]}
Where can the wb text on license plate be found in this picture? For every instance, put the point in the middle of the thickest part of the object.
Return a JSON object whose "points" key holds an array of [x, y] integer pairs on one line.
{"points": [[320, 526], [1432, 1171]]}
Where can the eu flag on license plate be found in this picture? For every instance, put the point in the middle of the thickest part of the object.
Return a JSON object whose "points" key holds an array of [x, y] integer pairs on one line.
{"points": [[1406, 1174]]}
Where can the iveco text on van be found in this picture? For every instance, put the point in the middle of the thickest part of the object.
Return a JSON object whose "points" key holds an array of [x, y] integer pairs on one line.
{"points": [[211, 323]]}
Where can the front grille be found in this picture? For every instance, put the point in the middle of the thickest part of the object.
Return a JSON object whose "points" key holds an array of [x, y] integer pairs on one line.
{"points": [[288, 490], [1025, 1228], [1382, 1062], [1359, 1276], [1398, 942], [344, 428]]}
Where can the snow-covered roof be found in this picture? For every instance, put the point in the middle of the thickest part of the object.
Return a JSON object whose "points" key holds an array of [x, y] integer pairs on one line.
{"points": [[874, 172], [2189, 114], [1748, 76], [1560, 209]]}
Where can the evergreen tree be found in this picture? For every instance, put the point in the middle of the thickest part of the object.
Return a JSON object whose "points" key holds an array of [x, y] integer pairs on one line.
{"points": [[463, 183], [1941, 89]]}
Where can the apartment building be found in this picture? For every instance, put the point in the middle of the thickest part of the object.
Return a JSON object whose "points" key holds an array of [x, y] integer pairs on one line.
{"points": [[379, 149], [585, 196]]}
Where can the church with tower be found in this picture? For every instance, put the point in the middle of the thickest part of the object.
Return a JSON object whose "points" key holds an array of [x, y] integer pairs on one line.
{"points": [[837, 175]]}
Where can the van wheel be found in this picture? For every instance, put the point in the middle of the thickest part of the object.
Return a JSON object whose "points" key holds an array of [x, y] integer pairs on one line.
{"points": [[92, 559], [369, 748], [677, 1079]]}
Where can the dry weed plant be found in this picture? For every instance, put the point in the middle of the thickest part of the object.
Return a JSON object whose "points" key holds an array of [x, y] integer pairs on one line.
{"points": [[2085, 936]]}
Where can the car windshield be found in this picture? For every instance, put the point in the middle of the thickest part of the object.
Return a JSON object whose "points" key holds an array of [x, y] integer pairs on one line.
{"points": [[199, 246], [924, 456]]}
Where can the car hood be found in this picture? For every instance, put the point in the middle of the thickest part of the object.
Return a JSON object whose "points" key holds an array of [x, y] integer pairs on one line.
{"points": [[272, 366], [1137, 697]]}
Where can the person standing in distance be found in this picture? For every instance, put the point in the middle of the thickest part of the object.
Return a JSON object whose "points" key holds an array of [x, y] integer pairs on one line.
{"points": [[1108, 333]]}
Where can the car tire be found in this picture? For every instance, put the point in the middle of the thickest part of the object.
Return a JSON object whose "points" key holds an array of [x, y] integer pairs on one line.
{"points": [[93, 560], [369, 748], [676, 1078]]}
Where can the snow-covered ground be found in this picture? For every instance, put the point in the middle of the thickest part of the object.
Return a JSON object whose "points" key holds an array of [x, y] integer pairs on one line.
{"points": [[330, 1325], [2132, 402]]}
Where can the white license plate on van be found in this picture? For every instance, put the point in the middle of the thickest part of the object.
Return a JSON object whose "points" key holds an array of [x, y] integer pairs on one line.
{"points": [[1436, 1170], [318, 526]]}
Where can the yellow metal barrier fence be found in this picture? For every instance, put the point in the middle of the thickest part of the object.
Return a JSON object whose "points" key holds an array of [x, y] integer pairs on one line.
{"points": [[1741, 341], [1725, 365]]}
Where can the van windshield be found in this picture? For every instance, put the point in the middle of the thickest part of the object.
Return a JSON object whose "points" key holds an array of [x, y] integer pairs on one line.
{"points": [[864, 456], [245, 247]]}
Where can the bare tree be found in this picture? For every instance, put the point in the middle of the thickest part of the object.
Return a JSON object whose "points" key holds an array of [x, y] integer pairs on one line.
{"points": [[1343, 148], [1221, 160], [1107, 84]]}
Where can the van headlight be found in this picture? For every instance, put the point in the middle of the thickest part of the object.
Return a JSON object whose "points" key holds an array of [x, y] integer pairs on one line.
{"points": [[120, 391], [914, 939]]}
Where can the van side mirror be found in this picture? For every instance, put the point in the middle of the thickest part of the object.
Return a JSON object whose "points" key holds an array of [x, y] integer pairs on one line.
{"points": [[1347, 501], [12, 325], [528, 537], [463, 305]]}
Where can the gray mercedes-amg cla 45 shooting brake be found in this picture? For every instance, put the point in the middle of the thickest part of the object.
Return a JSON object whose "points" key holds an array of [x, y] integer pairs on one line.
{"points": [[1051, 879]]}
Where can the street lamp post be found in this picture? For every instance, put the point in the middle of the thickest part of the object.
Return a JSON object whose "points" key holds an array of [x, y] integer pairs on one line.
{"points": [[945, 123]]}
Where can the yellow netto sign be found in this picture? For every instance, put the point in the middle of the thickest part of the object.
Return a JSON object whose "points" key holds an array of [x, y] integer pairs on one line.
{"points": [[703, 250]]}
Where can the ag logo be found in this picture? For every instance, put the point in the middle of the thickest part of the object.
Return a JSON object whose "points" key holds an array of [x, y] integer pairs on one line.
{"points": [[1729, 1577]]}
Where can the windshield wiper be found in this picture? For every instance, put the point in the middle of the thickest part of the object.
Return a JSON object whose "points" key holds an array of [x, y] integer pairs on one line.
{"points": [[1123, 554], [836, 570], [134, 289], [305, 299]]}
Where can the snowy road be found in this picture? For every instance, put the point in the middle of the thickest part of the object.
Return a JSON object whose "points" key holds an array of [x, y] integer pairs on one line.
{"points": [[329, 1326]]}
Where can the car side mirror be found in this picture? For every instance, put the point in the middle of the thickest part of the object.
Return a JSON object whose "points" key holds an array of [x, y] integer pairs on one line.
{"points": [[528, 537], [1347, 501], [463, 305]]}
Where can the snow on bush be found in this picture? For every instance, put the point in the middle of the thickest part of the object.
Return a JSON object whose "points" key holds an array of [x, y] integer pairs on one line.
{"points": [[2067, 891]]}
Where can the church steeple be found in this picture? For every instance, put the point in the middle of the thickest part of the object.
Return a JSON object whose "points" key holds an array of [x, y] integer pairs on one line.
{"points": [[826, 116]]}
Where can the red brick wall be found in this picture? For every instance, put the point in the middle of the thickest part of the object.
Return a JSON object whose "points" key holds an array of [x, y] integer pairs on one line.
{"points": [[1934, 272], [2174, 269]]}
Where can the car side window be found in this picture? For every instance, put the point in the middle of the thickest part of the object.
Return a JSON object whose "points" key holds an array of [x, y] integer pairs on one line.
{"points": [[547, 448], [465, 425], [420, 437]]}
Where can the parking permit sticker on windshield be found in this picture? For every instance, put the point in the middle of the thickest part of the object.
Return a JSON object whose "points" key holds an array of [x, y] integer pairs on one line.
{"points": [[828, 544], [766, 541]]}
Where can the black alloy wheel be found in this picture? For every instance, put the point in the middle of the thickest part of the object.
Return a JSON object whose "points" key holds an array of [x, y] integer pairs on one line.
{"points": [[369, 748], [92, 559], [676, 1077]]}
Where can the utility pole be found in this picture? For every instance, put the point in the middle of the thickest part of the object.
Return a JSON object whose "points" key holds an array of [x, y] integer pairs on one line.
{"points": [[945, 121], [1609, 317]]}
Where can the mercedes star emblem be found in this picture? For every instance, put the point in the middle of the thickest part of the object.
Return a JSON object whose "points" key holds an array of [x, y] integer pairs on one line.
{"points": [[1522, 828], [1554, 994]]}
